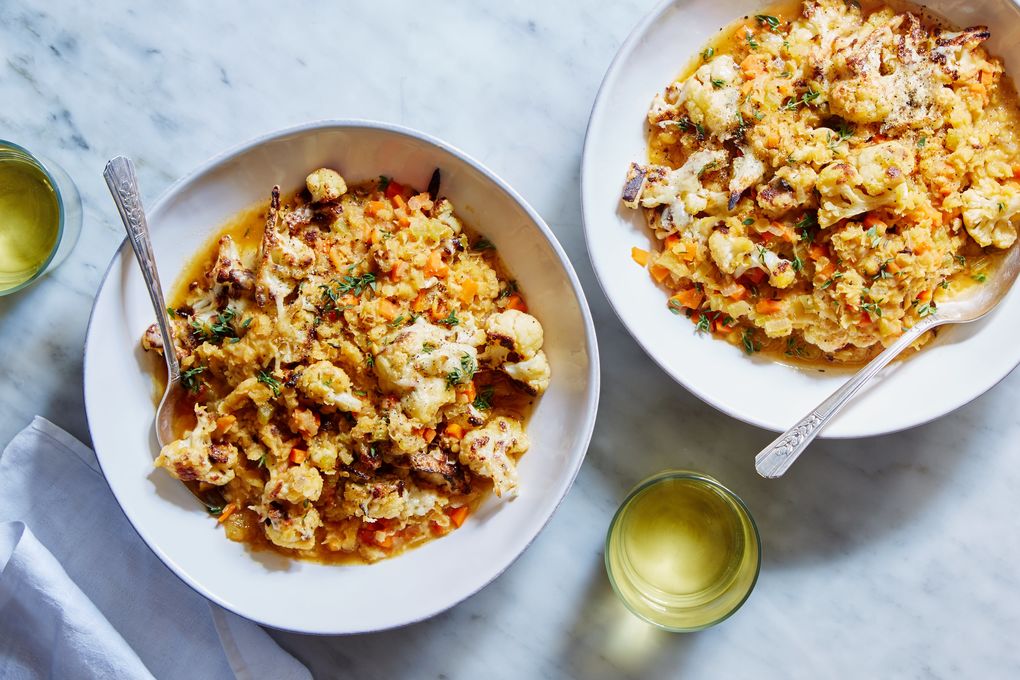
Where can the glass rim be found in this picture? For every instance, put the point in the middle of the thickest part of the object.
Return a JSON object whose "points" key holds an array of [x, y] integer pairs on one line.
{"points": [[725, 491], [60, 216]]}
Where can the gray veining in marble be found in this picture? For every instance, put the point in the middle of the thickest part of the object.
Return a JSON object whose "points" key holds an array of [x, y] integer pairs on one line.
{"points": [[889, 557]]}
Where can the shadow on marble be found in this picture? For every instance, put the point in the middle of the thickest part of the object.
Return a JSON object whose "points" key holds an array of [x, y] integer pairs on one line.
{"points": [[842, 496], [608, 641]]}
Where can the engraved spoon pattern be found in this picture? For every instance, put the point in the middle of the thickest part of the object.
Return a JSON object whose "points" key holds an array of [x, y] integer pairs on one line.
{"points": [[120, 178]]}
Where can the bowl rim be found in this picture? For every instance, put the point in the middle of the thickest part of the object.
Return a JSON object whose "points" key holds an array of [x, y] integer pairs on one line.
{"points": [[592, 392], [601, 98]]}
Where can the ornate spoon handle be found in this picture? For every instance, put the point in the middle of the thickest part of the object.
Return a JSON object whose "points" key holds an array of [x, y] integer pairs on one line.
{"points": [[777, 457], [120, 177]]}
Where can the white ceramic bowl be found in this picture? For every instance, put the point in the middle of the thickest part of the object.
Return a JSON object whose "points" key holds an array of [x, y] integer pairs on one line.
{"points": [[961, 364], [303, 596]]}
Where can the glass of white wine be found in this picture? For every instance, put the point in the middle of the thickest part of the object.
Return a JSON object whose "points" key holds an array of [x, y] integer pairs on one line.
{"points": [[40, 216], [683, 551]]}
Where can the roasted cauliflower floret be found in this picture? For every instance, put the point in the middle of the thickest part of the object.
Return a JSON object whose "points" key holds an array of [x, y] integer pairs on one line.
{"points": [[329, 385], [195, 458], [883, 77], [711, 96], [325, 449], [843, 194], [422, 365], [747, 170], [295, 484], [325, 185], [491, 451], [293, 532], [515, 341], [791, 187], [991, 212], [884, 166], [228, 268], [730, 252], [517, 331], [390, 499], [736, 254], [283, 259], [534, 373], [649, 186]]}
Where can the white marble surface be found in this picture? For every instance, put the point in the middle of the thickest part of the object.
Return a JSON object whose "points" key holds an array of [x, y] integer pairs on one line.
{"points": [[890, 557]]}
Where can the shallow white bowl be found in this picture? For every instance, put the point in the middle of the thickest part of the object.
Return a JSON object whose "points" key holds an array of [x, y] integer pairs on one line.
{"points": [[961, 364], [302, 596]]}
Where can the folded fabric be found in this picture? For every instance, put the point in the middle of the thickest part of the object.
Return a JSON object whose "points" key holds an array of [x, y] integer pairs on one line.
{"points": [[81, 596]]}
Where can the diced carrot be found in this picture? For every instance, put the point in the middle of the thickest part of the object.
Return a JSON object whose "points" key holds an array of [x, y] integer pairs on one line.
{"points": [[720, 325], [828, 270], [924, 296], [227, 511], [371, 234], [371, 536], [768, 306], [438, 310], [690, 298], [458, 515], [871, 220], [892, 267], [468, 289], [739, 294], [455, 430], [658, 272], [986, 77], [671, 241], [374, 207], [435, 265], [515, 301], [398, 201], [755, 276], [297, 456], [639, 255], [788, 234], [393, 188], [920, 249], [387, 309], [818, 251], [421, 303], [398, 271], [1016, 171], [224, 423], [429, 434], [751, 66], [466, 393], [690, 252]]}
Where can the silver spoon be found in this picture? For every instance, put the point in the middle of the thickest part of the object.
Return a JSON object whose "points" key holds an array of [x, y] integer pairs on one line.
{"points": [[777, 457], [120, 177]]}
